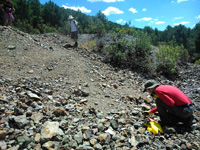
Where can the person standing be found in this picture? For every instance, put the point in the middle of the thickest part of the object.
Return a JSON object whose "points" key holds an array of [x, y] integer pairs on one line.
{"points": [[8, 13], [1, 14], [73, 32], [172, 105]]}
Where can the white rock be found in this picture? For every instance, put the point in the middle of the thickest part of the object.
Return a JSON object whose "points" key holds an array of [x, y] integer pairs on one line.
{"points": [[50, 129]]}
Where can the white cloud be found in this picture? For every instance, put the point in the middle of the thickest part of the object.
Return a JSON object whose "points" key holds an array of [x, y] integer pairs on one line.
{"points": [[121, 21], [82, 9], [144, 9], [112, 10], [198, 17], [176, 24], [160, 22], [107, 1], [176, 18], [133, 10], [180, 1], [172, 1], [144, 19]]}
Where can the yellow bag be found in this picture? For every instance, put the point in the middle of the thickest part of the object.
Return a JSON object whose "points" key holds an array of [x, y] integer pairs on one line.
{"points": [[153, 127]]}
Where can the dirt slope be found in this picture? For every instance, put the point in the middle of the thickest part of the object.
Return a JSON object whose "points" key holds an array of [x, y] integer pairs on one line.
{"points": [[44, 57]]}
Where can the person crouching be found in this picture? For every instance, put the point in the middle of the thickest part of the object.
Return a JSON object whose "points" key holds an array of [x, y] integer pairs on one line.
{"points": [[172, 105]]}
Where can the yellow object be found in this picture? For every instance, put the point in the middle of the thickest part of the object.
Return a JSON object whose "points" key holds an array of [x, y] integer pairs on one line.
{"points": [[155, 96], [147, 112], [154, 127]]}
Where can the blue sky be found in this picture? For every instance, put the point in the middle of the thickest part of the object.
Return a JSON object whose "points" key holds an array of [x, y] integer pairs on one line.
{"points": [[154, 13]]}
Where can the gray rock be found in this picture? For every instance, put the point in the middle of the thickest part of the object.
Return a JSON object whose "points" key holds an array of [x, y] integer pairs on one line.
{"points": [[23, 140], [21, 121], [100, 127], [32, 95], [78, 138], [169, 147], [97, 146], [11, 47], [84, 147], [99, 115], [114, 124], [3, 145], [69, 107]]}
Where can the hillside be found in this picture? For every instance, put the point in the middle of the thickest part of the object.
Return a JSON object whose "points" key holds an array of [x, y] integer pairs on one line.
{"points": [[54, 97]]}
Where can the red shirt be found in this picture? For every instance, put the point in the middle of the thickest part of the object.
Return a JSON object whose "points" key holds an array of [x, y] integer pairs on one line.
{"points": [[171, 96]]}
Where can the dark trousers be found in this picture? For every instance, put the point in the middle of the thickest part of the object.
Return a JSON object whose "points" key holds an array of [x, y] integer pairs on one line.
{"points": [[171, 115]]}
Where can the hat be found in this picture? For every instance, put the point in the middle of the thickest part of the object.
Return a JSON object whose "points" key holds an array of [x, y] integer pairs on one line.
{"points": [[150, 84], [71, 17]]}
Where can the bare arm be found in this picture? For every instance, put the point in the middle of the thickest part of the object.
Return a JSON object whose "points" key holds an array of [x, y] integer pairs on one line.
{"points": [[1, 6], [13, 10]]}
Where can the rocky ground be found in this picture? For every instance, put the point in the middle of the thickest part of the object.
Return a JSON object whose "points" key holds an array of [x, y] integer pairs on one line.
{"points": [[58, 98]]}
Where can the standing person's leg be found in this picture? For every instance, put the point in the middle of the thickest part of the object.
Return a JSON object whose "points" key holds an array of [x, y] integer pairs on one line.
{"points": [[5, 19], [73, 36], [10, 23], [76, 39], [1, 17], [76, 43], [5, 22], [11, 19]]}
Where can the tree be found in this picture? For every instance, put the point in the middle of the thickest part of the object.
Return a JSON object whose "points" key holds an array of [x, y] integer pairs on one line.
{"points": [[35, 14], [197, 37], [51, 14], [23, 10], [101, 16]]}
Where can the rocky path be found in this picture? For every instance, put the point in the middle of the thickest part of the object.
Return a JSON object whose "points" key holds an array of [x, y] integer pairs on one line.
{"points": [[57, 98]]}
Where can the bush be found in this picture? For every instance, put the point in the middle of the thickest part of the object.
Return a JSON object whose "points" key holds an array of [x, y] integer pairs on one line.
{"points": [[129, 52], [168, 58], [197, 62], [117, 50], [47, 28], [89, 45]]}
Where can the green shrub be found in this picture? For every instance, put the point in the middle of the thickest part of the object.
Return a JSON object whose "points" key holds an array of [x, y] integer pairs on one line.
{"points": [[46, 28], [168, 58], [129, 52], [117, 50], [197, 62]]}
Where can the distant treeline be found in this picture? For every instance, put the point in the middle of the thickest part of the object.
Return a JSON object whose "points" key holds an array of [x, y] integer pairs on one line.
{"points": [[33, 17]]}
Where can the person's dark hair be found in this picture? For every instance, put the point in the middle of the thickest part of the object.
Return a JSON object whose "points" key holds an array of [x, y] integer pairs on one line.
{"points": [[9, 2]]}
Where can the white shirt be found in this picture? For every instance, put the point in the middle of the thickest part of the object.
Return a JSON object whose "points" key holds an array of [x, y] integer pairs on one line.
{"points": [[73, 24]]}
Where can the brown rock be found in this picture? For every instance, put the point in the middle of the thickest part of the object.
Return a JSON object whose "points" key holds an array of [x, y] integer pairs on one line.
{"points": [[142, 130], [36, 117], [84, 128], [147, 99], [37, 137], [2, 134], [50, 129], [24, 106], [59, 112], [93, 141], [102, 137], [30, 71], [188, 145]]}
